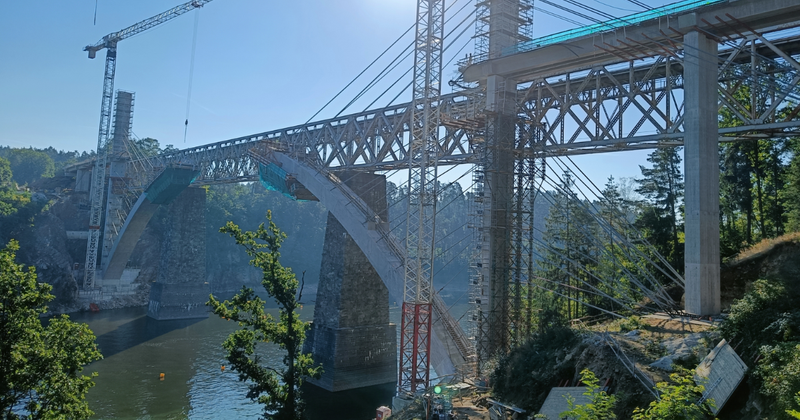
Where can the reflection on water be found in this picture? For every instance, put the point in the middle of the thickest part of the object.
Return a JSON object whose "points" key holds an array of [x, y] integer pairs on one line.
{"points": [[189, 353]]}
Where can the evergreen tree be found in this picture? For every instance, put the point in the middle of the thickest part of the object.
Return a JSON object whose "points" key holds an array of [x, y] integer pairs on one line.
{"points": [[570, 253], [662, 189], [791, 194]]}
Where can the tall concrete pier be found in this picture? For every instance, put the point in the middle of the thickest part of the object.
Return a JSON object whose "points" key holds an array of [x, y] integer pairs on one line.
{"points": [[181, 291], [351, 335], [701, 160]]}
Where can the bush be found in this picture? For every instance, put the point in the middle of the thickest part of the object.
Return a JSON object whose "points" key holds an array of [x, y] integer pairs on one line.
{"points": [[766, 315], [794, 413], [526, 374], [779, 374], [601, 406], [677, 400]]}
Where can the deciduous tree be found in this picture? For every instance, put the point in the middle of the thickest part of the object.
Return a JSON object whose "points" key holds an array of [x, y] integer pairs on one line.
{"points": [[278, 389], [40, 367]]}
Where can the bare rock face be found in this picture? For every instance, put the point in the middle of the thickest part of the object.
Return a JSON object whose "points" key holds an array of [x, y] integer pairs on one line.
{"points": [[53, 262]]}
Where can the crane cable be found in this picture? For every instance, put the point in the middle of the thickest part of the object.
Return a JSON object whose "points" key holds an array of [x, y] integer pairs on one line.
{"points": [[191, 74]]}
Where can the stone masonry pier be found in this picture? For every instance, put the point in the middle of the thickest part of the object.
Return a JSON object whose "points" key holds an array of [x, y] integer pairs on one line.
{"points": [[351, 335], [181, 290]]}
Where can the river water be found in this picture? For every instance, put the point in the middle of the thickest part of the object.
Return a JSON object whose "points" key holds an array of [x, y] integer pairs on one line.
{"points": [[137, 349]]}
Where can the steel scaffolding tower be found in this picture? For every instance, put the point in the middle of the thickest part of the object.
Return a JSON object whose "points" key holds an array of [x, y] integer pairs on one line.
{"points": [[504, 194], [415, 337]]}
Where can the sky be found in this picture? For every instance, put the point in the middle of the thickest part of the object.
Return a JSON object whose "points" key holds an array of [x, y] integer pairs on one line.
{"points": [[259, 65]]}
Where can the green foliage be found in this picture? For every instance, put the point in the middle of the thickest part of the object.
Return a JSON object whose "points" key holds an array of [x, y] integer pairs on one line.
{"points": [[662, 189], [525, 375], [568, 244], [677, 400], [17, 210], [5, 173], [791, 195], [303, 222], [40, 367], [779, 374], [28, 165], [767, 314], [278, 390], [630, 323], [794, 413], [766, 321], [601, 406]]}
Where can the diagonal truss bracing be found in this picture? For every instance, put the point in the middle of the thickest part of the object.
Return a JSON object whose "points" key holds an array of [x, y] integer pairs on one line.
{"points": [[627, 106]]}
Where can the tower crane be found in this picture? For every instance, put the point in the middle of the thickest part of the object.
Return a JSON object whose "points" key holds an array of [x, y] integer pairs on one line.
{"points": [[109, 43]]}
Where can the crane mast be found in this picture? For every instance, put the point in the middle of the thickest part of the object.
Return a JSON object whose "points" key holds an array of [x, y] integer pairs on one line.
{"points": [[415, 337], [109, 43]]}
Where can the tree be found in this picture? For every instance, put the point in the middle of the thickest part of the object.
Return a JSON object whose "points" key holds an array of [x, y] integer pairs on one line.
{"points": [[662, 189], [569, 248], [791, 194], [601, 406], [277, 390], [677, 400], [795, 413], [779, 374], [28, 165], [40, 367]]}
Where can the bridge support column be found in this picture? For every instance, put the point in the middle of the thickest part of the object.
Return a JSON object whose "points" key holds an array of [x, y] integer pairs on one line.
{"points": [[701, 163], [351, 335], [498, 168], [181, 290]]}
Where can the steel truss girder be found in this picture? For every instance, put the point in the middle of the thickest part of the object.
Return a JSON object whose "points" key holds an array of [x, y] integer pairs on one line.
{"points": [[627, 106], [583, 112], [370, 140]]}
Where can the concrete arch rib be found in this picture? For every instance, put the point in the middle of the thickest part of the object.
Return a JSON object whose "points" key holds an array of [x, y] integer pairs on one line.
{"points": [[166, 186], [125, 242], [447, 356]]}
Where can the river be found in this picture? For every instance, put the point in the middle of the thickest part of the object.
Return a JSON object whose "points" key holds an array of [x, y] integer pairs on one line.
{"points": [[137, 349]]}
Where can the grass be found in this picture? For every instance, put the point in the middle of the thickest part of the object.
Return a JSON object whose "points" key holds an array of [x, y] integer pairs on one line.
{"points": [[763, 247]]}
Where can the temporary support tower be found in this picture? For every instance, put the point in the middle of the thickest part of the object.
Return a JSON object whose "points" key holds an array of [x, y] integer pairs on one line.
{"points": [[415, 338]]}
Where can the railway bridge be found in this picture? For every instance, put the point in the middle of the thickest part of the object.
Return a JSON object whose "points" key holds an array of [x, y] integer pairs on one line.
{"points": [[659, 78]]}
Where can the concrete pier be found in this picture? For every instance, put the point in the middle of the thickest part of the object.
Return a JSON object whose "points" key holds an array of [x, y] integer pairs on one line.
{"points": [[701, 163], [181, 290], [351, 335]]}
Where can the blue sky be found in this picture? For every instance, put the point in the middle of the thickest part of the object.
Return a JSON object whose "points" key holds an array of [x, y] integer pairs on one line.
{"points": [[260, 65]]}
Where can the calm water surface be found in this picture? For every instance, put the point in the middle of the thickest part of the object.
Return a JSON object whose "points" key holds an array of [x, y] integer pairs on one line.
{"points": [[189, 353]]}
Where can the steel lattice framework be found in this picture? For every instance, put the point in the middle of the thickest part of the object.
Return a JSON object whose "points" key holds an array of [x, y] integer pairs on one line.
{"points": [[99, 172], [415, 336], [628, 106], [373, 140], [636, 103]]}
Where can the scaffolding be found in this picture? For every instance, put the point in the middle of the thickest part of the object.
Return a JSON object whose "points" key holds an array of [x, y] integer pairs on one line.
{"points": [[501, 21]]}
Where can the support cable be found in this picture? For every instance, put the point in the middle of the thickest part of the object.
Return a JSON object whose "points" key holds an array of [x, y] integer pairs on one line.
{"points": [[191, 74]]}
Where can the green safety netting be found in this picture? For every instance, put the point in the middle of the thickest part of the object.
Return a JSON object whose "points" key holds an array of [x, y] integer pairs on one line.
{"points": [[610, 25], [273, 178]]}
